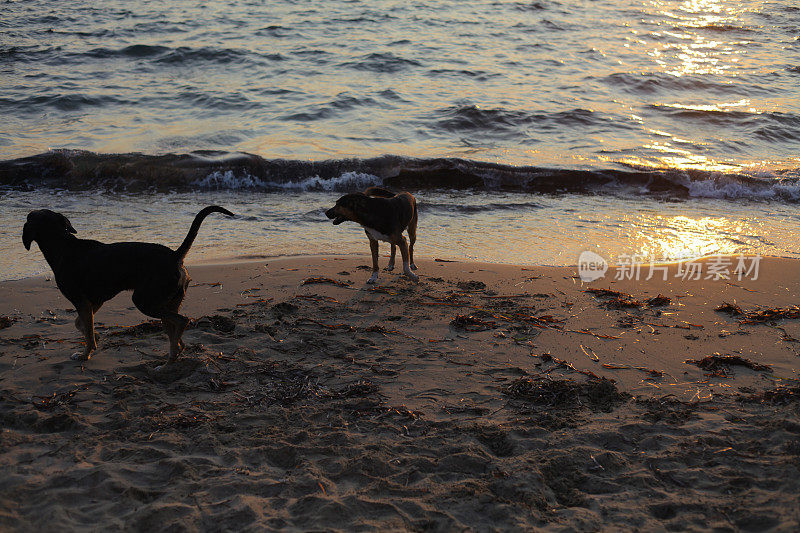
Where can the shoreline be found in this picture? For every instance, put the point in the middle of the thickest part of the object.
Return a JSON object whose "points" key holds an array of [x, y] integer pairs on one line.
{"points": [[485, 396], [222, 261]]}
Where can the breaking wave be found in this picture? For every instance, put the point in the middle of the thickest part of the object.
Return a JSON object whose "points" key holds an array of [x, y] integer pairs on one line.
{"points": [[207, 170]]}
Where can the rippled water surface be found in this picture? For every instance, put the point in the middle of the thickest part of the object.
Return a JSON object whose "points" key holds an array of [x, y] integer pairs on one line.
{"points": [[512, 228], [529, 131], [579, 84]]}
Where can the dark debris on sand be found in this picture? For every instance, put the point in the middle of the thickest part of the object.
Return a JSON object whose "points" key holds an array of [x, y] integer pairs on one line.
{"points": [[658, 301], [596, 394], [731, 309], [615, 299], [760, 316], [144, 328], [668, 409], [220, 323], [6, 321], [781, 395], [720, 364], [329, 281], [472, 323], [471, 285], [774, 314]]}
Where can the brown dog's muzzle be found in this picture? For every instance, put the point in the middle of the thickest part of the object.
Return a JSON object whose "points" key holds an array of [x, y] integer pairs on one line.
{"points": [[336, 217], [27, 236]]}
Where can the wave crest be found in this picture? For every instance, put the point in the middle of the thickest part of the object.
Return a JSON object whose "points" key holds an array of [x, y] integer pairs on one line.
{"points": [[81, 170]]}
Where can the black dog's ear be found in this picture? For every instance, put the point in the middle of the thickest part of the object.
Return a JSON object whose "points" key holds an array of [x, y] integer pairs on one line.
{"points": [[27, 237], [68, 225]]}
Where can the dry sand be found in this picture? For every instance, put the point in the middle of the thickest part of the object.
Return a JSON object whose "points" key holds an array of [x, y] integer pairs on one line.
{"points": [[327, 406]]}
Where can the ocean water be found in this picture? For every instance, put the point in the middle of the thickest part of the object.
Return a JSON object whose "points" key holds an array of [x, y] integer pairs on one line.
{"points": [[528, 130]]}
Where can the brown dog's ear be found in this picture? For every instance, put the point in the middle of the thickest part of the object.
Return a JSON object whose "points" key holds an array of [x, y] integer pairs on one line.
{"points": [[68, 225]]}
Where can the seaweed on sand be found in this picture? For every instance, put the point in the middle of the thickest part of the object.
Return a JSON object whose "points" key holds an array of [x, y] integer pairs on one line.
{"points": [[760, 316], [144, 328], [596, 394], [56, 399], [771, 315], [658, 301], [719, 365], [731, 309], [354, 390], [5, 321], [219, 323], [471, 285], [472, 323], [668, 409], [781, 395], [312, 280], [615, 299]]}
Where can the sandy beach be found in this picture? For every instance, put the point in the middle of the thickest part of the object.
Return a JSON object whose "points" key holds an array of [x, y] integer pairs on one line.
{"points": [[485, 397]]}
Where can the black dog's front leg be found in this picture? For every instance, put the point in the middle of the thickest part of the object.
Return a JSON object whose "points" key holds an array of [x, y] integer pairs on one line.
{"points": [[85, 324]]}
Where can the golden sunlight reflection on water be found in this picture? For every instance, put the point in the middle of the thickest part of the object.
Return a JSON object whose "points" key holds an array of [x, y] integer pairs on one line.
{"points": [[680, 45], [664, 238]]}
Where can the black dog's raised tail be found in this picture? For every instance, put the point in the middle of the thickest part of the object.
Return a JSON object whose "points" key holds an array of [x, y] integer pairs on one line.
{"points": [[183, 249]]}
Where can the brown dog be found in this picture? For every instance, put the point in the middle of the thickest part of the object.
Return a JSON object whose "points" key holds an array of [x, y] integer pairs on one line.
{"points": [[384, 216], [89, 273]]}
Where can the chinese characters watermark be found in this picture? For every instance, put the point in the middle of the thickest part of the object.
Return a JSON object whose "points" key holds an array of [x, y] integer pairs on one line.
{"points": [[592, 266]]}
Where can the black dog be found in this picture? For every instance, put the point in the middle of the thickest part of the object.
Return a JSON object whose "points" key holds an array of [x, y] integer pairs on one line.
{"points": [[89, 273], [384, 216]]}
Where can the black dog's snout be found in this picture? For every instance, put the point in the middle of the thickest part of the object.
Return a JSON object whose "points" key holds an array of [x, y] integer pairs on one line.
{"points": [[329, 213]]}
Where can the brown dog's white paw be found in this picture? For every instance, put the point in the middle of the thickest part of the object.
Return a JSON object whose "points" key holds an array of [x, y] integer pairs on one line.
{"points": [[79, 356], [373, 278]]}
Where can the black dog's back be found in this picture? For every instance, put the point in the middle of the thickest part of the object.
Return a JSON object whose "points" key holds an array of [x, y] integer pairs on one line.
{"points": [[101, 271]]}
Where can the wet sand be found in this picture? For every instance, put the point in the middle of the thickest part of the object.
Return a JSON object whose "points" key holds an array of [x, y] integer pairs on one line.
{"points": [[486, 396]]}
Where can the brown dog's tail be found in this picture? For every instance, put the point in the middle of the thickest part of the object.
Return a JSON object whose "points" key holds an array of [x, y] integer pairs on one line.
{"points": [[183, 249]]}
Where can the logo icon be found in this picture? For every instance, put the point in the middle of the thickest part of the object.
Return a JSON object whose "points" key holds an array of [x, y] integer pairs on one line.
{"points": [[591, 266]]}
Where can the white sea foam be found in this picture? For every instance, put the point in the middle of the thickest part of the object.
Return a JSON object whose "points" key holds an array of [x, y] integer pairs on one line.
{"points": [[346, 181], [229, 180], [727, 188], [238, 181]]}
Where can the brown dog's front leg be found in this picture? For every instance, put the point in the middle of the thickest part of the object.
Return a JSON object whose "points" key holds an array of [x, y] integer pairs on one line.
{"points": [[85, 324], [373, 246], [404, 254], [390, 266]]}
